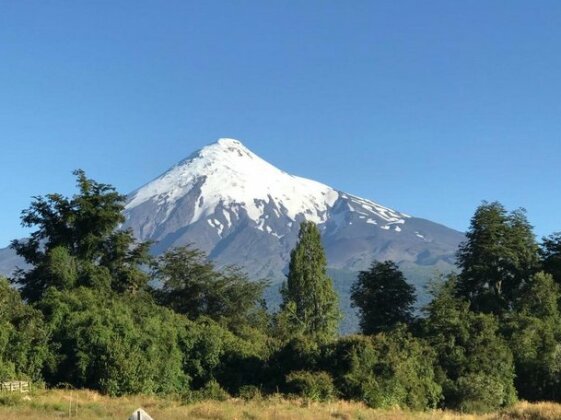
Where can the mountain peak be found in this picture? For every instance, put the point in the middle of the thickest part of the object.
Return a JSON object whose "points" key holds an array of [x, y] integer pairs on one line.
{"points": [[223, 149], [227, 173], [228, 142], [227, 145]]}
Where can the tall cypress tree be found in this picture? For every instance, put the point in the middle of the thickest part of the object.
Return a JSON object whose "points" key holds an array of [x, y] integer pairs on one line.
{"points": [[310, 303]]}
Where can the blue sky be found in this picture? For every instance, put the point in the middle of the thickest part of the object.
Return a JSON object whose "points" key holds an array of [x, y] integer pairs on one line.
{"points": [[428, 107]]}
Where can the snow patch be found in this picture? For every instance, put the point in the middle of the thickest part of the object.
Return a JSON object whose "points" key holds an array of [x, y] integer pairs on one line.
{"points": [[217, 225], [369, 208]]}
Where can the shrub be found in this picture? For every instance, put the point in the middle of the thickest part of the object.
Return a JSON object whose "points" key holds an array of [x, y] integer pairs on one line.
{"points": [[114, 344], [249, 392], [211, 352], [383, 371], [211, 391], [480, 393], [297, 354], [475, 364], [315, 386], [23, 339]]}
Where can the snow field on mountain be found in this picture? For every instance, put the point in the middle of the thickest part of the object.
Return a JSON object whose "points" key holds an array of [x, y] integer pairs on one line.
{"points": [[229, 174]]}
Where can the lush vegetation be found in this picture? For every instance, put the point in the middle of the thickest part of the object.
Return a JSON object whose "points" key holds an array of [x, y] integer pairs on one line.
{"points": [[96, 311]]}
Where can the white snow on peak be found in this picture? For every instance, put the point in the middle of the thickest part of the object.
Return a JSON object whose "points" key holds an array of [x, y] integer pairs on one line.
{"points": [[229, 142], [231, 174]]}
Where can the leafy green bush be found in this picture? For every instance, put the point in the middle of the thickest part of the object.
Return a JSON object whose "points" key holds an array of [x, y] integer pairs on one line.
{"points": [[114, 344], [386, 370], [249, 392], [211, 352], [297, 354], [468, 347], [211, 391], [11, 399], [315, 386], [480, 393], [23, 339], [533, 331]]}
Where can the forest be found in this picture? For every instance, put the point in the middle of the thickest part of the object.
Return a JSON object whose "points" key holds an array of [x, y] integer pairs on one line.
{"points": [[94, 310]]}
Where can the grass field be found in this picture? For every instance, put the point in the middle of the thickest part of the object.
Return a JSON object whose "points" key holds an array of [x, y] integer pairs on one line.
{"points": [[57, 404]]}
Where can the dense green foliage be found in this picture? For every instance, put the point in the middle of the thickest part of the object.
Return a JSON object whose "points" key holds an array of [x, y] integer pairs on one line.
{"points": [[475, 367], [384, 298], [94, 310], [77, 243], [499, 255], [534, 334], [550, 252], [23, 339], [385, 370], [315, 386], [310, 304], [191, 285], [114, 344]]}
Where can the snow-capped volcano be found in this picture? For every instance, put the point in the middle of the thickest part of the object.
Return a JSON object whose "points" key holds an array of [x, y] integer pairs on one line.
{"points": [[242, 210], [233, 175]]}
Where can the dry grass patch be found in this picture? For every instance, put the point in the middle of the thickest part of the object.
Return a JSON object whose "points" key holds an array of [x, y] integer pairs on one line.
{"points": [[532, 411], [59, 404]]}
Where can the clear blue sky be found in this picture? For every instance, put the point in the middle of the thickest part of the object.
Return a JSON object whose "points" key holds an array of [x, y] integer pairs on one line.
{"points": [[425, 106]]}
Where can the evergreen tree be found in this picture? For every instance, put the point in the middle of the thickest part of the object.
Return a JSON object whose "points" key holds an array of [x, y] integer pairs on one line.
{"points": [[498, 256], [383, 297], [550, 253], [310, 303], [77, 243]]}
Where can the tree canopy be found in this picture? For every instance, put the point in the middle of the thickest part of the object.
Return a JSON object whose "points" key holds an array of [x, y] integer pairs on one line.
{"points": [[383, 297], [77, 243], [500, 254], [190, 284], [550, 253]]}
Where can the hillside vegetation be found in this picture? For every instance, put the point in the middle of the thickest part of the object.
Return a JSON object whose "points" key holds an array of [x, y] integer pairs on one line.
{"points": [[86, 315]]}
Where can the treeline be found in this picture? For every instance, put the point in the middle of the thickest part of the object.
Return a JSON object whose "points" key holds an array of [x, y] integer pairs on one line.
{"points": [[95, 310]]}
